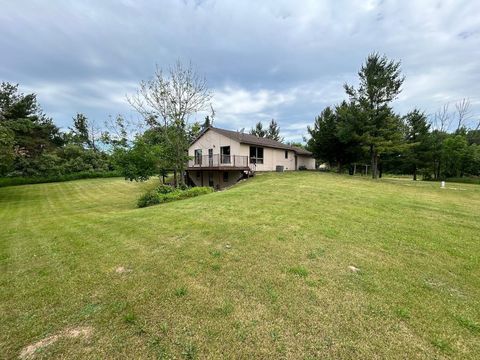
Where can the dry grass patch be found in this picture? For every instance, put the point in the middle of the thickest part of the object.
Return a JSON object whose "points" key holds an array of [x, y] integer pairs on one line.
{"points": [[29, 351]]}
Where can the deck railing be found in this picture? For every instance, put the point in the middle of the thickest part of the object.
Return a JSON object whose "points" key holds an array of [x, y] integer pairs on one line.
{"points": [[218, 160]]}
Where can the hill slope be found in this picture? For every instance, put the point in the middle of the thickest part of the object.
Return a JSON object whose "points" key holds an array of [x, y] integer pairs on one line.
{"points": [[257, 271]]}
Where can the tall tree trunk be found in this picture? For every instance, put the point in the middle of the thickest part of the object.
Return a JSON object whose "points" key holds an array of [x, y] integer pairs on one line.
{"points": [[415, 172], [181, 172], [374, 160], [437, 176], [181, 175]]}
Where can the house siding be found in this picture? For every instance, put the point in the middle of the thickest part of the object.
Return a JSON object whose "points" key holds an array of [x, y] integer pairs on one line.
{"points": [[306, 161], [272, 158], [214, 140]]}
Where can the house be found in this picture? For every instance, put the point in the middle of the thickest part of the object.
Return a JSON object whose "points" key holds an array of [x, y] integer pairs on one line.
{"points": [[222, 157]]}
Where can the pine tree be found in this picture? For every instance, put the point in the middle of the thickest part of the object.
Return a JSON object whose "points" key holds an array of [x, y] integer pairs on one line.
{"points": [[324, 142], [418, 139], [273, 131], [380, 84], [207, 123], [258, 130]]}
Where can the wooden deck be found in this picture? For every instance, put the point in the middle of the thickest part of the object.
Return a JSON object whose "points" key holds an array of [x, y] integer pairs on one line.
{"points": [[218, 168], [219, 162]]}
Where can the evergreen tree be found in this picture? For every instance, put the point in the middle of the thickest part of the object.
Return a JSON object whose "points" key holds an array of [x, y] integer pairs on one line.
{"points": [[350, 120], [324, 142], [258, 130], [380, 84], [26, 128], [437, 154], [273, 131], [7, 154], [418, 139], [207, 123], [209, 118]]}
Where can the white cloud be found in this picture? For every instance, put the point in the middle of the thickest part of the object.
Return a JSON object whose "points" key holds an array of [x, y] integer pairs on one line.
{"points": [[238, 101], [265, 59]]}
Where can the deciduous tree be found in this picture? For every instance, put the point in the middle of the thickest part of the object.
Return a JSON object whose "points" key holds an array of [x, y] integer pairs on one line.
{"points": [[168, 100]]}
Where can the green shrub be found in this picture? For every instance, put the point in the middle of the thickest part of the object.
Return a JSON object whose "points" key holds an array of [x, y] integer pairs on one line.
{"points": [[183, 187], [195, 191], [165, 189], [149, 199], [302, 167], [179, 194], [155, 197]]}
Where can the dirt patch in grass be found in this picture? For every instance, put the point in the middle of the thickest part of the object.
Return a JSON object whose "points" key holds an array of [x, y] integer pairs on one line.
{"points": [[353, 268], [29, 351], [122, 270]]}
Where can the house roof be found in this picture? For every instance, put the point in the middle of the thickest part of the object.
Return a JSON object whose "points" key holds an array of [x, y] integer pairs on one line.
{"points": [[255, 140]]}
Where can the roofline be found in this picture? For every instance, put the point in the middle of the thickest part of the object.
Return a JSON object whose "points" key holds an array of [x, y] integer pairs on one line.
{"points": [[283, 147], [200, 134], [287, 147]]}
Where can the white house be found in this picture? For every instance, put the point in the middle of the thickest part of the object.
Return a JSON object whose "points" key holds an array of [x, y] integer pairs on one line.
{"points": [[222, 157]]}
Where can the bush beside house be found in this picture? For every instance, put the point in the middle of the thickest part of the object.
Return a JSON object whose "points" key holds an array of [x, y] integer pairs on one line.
{"points": [[165, 193]]}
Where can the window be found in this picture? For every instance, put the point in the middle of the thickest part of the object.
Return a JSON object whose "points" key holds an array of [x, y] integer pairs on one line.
{"points": [[225, 154], [225, 176], [198, 157], [256, 155], [286, 154]]}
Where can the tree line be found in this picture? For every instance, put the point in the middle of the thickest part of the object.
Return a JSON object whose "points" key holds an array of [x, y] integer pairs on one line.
{"points": [[31, 145], [366, 129]]}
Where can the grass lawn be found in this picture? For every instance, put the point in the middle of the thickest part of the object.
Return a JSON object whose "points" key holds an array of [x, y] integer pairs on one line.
{"points": [[258, 271]]}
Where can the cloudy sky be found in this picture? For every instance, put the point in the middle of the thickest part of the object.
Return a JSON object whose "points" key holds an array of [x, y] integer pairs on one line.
{"points": [[266, 59]]}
